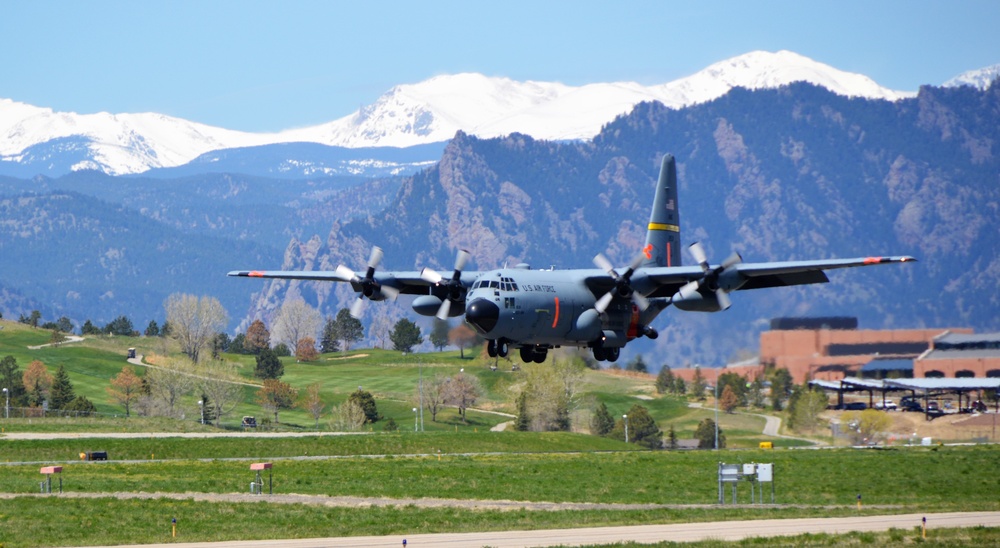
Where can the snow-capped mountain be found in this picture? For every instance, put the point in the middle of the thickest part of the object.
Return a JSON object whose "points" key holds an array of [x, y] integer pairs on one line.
{"points": [[38, 140], [980, 79]]}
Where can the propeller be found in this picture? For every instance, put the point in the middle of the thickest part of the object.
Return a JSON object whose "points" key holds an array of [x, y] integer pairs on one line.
{"points": [[623, 283], [710, 277], [453, 285], [369, 287]]}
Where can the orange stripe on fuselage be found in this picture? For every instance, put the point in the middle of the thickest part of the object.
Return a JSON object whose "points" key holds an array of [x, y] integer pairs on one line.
{"points": [[555, 320], [255, 274]]}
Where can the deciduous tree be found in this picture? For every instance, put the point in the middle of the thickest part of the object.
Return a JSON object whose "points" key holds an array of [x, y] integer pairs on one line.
{"points": [[194, 321], [296, 320], [464, 337], [463, 390], [312, 403], [125, 389], [664, 380], [37, 382], [257, 338], [305, 350], [276, 395], [728, 401], [222, 387]]}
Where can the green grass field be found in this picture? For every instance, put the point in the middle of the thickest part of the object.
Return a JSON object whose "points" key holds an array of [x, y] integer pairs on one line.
{"points": [[450, 460]]}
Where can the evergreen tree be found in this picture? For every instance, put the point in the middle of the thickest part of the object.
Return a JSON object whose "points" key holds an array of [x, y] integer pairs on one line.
{"points": [[12, 379], [268, 365], [523, 422], [664, 380], [329, 343], [705, 434], [405, 335], [238, 344], [637, 364], [220, 343], [602, 423], [698, 385], [642, 429], [348, 328], [781, 387], [390, 425], [89, 329], [439, 334], [64, 325], [672, 438], [207, 409], [366, 402], [121, 326], [680, 387], [80, 407], [153, 329], [61, 393], [281, 350]]}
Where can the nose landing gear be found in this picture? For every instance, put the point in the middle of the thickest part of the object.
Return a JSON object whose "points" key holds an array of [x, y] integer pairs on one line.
{"points": [[496, 348]]}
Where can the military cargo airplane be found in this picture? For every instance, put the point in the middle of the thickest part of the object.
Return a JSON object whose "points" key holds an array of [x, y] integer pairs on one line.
{"points": [[601, 309]]}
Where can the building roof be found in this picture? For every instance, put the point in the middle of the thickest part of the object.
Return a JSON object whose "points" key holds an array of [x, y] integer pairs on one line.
{"points": [[949, 338], [967, 383], [887, 365]]}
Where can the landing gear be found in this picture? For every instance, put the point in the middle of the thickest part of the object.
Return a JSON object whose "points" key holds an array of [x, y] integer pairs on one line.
{"points": [[533, 354], [495, 348], [602, 354]]}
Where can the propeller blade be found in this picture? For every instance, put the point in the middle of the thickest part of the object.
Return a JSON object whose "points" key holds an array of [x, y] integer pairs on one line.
{"points": [[688, 290], [640, 300], [604, 301], [698, 253], [461, 259], [732, 260], [376, 257], [430, 275], [723, 298], [390, 292], [357, 307], [636, 261], [444, 310], [346, 274], [602, 262]]}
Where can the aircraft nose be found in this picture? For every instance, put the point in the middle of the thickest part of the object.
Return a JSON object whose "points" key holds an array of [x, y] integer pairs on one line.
{"points": [[483, 315]]}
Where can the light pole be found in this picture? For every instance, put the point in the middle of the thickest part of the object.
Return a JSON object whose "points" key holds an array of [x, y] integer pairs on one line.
{"points": [[625, 418], [716, 410], [416, 420], [6, 408], [201, 405]]}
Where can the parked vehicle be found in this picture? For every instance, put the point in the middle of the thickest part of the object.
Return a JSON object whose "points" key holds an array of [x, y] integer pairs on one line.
{"points": [[887, 405]]}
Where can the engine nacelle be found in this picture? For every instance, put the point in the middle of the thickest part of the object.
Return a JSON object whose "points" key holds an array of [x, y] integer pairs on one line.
{"points": [[587, 326], [696, 302], [428, 305]]}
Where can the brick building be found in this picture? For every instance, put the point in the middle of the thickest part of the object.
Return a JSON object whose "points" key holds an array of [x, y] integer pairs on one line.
{"points": [[960, 355], [834, 348]]}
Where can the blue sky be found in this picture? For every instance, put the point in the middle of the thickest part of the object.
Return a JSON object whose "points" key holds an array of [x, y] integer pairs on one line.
{"points": [[266, 66]]}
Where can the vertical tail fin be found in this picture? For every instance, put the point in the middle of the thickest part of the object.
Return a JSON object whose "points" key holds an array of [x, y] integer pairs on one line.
{"points": [[663, 236]]}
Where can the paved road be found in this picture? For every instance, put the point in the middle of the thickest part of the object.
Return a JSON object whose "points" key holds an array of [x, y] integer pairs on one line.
{"points": [[643, 534]]}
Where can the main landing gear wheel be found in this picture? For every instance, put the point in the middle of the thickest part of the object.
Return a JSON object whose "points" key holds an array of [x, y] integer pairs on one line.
{"points": [[530, 354], [496, 348], [602, 354]]}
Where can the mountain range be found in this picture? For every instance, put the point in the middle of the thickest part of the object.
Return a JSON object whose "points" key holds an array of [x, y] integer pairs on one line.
{"points": [[791, 171], [35, 140]]}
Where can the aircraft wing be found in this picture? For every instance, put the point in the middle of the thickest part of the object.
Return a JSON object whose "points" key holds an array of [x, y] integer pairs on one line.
{"points": [[408, 283], [668, 280]]}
